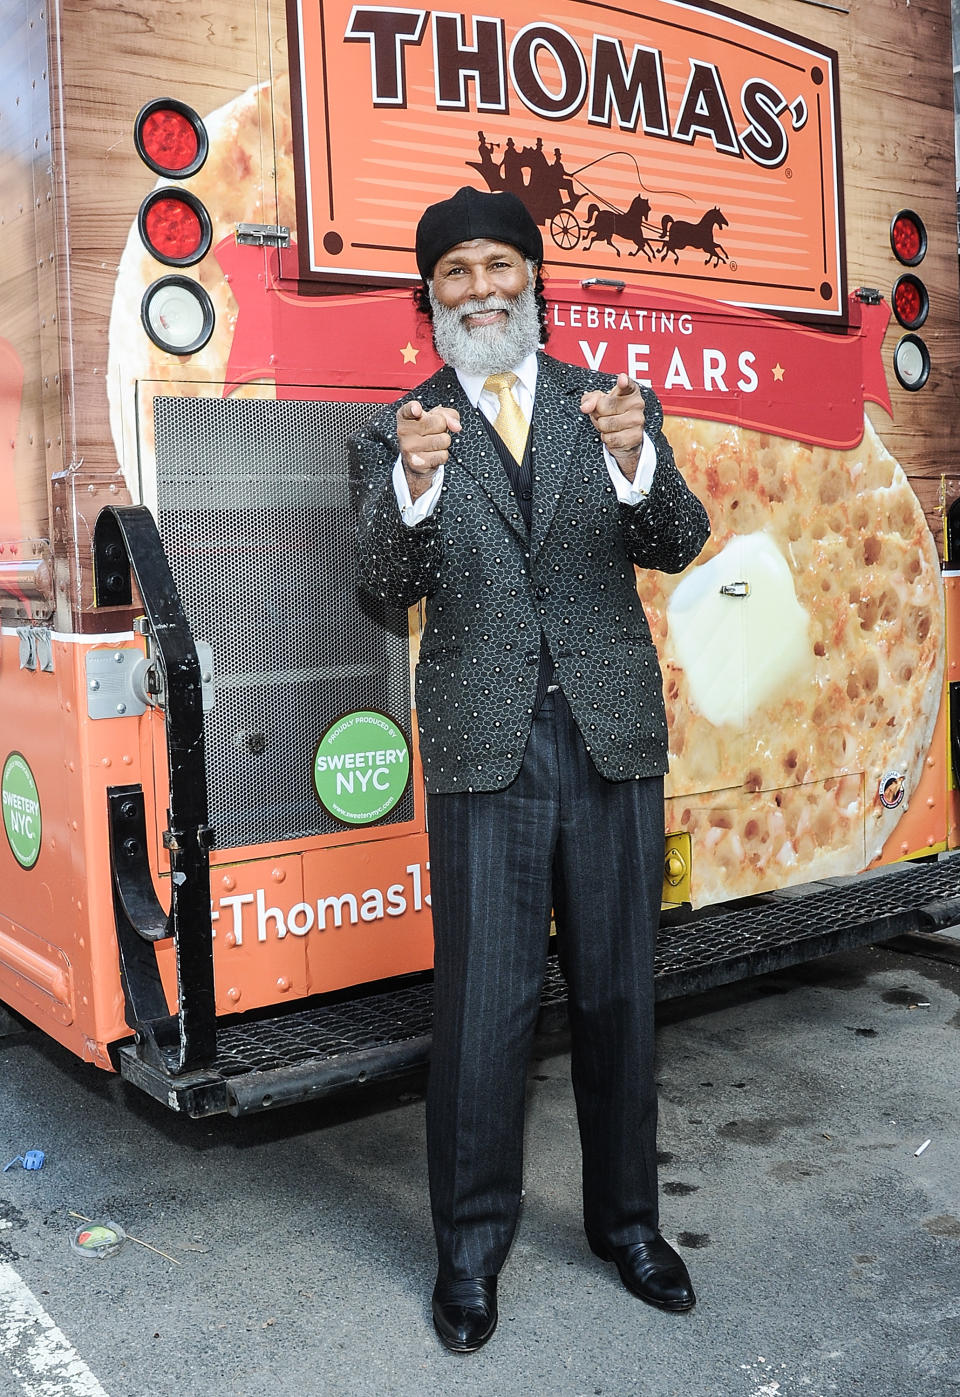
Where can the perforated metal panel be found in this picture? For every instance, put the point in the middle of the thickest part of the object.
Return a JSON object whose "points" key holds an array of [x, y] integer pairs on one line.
{"points": [[254, 509]]}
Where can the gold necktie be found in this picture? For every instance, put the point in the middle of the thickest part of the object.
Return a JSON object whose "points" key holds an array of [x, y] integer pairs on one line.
{"points": [[510, 423]]}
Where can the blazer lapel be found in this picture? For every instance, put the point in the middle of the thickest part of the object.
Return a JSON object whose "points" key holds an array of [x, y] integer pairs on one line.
{"points": [[560, 436], [472, 451]]}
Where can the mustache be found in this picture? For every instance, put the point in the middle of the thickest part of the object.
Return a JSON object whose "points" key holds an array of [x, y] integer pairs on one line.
{"points": [[475, 306]]}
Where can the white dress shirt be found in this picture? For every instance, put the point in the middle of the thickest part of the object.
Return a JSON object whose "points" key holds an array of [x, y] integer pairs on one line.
{"points": [[524, 390]]}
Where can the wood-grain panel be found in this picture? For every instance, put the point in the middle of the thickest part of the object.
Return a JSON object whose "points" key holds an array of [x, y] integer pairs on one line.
{"points": [[28, 292], [152, 49]]}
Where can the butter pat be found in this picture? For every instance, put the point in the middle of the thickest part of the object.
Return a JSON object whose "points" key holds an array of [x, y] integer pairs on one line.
{"points": [[738, 651]]}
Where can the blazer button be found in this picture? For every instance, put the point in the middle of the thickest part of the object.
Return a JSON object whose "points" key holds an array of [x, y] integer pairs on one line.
{"points": [[532, 657]]}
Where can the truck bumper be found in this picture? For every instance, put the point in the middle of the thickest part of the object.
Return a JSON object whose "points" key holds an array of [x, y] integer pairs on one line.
{"points": [[330, 1047]]}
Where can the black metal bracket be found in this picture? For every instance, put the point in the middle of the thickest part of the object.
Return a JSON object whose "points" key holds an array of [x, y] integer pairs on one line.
{"points": [[953, 534], [140, 922], [953, 710], [126, 539]]}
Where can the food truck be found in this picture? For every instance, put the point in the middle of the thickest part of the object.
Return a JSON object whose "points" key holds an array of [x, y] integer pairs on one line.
{"points": [[214, 871]]}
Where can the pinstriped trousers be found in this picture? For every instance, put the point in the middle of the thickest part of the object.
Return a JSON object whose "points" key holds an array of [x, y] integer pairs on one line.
{"points": [[560, 836]]}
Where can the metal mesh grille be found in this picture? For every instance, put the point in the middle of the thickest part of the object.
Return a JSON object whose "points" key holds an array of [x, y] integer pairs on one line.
{"points": [[333, 1031], [800, 924], [253, 506], [403, 1016]]}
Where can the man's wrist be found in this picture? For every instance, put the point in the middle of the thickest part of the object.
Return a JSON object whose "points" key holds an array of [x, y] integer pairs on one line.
{"points": [[631, 491], [419, 482], [628, 462]]}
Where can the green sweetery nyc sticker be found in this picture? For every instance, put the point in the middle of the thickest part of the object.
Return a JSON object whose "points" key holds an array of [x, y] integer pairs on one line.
{"points": [[21, 810], [361, 768]]}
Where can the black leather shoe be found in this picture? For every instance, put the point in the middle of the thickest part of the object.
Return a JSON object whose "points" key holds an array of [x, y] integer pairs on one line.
{"points": [[652, 1271], [465, 1312]]}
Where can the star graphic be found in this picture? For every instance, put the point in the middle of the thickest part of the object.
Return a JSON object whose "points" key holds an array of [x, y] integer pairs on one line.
{"points": [[778, 373], [409, 353]]}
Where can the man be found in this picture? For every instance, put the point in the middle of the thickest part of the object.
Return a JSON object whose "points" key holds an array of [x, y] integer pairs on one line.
{"points": [[515, 493]]}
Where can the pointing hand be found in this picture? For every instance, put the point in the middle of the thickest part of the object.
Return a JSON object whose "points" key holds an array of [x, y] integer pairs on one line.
{"points": [[424, 438], [620, 417]]}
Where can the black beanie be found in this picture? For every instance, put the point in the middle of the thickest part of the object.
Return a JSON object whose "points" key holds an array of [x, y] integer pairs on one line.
{"points": [[472, 214]]}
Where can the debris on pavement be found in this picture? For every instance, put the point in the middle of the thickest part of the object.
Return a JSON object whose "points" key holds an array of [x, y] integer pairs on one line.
{"points": [[126, 1236], [30, 1159], [98, 1239]]}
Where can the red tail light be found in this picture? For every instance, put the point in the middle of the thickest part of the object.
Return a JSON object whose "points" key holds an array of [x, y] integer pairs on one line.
{"points": [[910, 301], [908, 238], [170, 138], [174, 226]]}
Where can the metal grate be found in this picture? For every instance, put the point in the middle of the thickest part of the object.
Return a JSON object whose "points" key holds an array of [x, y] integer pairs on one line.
{"points": [[352, 1026], [329, 1031], [796, 925], [254, 509]]}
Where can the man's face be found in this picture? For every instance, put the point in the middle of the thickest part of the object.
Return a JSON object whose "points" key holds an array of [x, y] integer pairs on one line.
{"points": [[484, 307], [476, 270]]}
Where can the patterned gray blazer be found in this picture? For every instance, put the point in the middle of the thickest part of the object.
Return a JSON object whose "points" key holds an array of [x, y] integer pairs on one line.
{"points": [[491, 587]]}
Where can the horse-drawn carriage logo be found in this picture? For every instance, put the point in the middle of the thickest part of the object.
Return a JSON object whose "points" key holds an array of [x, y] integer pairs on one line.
{"points": [[554, 196]]}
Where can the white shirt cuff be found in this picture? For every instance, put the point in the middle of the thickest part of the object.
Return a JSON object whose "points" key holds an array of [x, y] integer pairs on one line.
{"points": [[412, 511], [631, 492]]}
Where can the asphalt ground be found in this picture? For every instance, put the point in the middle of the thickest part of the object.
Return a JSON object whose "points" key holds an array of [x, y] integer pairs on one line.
{"points": [[293, 1252]]}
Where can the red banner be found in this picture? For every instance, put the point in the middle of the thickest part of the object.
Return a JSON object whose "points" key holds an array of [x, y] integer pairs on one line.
{"points": [[725, 363], [730, 364]]}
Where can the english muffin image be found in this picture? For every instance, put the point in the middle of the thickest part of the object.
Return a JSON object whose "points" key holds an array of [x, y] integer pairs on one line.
{"points": [[802, 656]]}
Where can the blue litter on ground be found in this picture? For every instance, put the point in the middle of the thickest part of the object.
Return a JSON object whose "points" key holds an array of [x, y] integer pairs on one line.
{"points": [[33, 1159]]}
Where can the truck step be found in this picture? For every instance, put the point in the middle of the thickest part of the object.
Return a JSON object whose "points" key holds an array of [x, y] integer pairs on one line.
{"points": [[265, 1063]]}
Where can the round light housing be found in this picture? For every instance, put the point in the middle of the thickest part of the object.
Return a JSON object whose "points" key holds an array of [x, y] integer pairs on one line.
{"points": [[908, 237], [170, 138], [910, 301], [911, 362], [174, 227], [177, 314]]}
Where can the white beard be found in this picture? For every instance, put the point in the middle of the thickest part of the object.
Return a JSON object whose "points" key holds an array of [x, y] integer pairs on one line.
{"points": [[487, 349]]}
